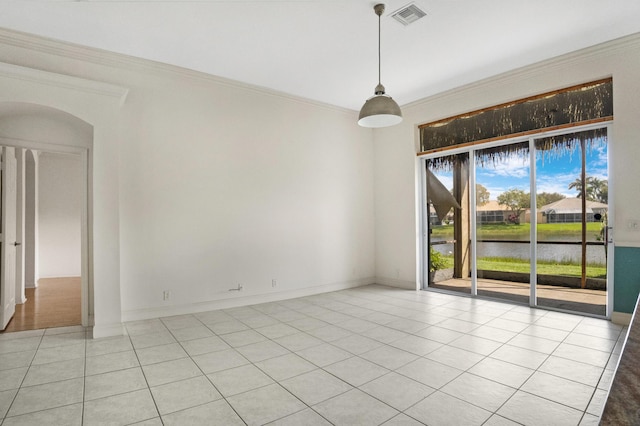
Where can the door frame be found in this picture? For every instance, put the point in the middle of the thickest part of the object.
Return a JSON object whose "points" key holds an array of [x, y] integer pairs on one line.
{"points": [[422, 211], [8, 260], [84, 154]]}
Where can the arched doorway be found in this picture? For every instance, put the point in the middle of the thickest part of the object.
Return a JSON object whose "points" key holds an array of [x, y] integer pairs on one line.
{"points": [[99, 106], [43, 136]]}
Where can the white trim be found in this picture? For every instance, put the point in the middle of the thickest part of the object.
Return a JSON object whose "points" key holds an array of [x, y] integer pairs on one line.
{"points": [[85, 231], [394, 282], [422, 225], [63, 81], [20, 227], [621, 318], [42, 146], [560, 62], [473, 221], [611, 214], [85, 234], [108, 330], [630, 244], [237, 299], [533, 220]]}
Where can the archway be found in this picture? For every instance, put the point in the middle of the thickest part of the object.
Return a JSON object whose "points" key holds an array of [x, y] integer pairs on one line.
{"points": [[97, 105], [33, 130]]}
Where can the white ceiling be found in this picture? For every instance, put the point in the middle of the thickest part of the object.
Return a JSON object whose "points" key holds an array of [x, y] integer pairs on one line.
{"points": [[326, 50]]}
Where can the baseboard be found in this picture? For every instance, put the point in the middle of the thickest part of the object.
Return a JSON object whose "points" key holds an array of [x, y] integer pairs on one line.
{"points": [[234, 302], [108, 330], [46, 277], [621, 318], [394, 282]]}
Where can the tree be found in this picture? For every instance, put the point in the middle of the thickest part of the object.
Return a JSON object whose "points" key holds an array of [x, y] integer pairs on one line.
{"points": [[577, 185], [603, 192], [595, 190], [544, 198], [517, 200], [482, 195]]}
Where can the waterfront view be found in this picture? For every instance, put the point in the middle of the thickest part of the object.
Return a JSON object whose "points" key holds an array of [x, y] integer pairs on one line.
{"points": [[568, 214]]}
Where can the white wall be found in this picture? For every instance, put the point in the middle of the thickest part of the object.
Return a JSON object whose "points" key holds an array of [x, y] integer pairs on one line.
{"points": [[31, 268], [223, 186], [212, 183], [59, 208], [396, 147]]}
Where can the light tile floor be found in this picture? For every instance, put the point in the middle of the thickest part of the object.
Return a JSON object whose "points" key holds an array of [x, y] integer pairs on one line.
{"points": [[366, 356]]}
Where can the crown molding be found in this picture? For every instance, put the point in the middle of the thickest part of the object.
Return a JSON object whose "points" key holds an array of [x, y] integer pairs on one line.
{"points": [[68, 82], [601, 50], [126, 62]]}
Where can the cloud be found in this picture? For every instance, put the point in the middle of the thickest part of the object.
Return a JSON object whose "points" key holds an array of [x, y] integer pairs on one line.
{"points": [[553, 174], [598, 154], [514, 166]]}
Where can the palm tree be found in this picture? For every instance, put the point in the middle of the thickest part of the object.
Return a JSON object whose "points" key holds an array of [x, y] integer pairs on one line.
{"points": [[596, 189]]}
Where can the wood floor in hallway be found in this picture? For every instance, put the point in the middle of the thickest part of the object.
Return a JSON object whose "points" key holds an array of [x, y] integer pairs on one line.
{"points": [[55, 303]]}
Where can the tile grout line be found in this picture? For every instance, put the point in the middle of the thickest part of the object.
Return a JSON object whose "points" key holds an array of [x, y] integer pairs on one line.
{"points": [[143, 375], [13, 400], [345, 308], [267, 374]]}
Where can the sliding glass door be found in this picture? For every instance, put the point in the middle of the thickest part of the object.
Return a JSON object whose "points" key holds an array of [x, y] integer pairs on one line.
{"points": [[572, 205], [535, 228], [503, 247], [448, 228]]}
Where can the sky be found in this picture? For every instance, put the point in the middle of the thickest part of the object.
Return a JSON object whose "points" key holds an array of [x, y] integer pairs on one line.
{"points": [[553, 174]]}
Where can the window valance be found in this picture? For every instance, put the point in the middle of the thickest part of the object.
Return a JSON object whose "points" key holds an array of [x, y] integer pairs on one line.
{"points": [[573, 106]]}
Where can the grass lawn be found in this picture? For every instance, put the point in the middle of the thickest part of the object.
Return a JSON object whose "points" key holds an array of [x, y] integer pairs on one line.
{"points": [[508, 264], [543, 268], [510, 231]]}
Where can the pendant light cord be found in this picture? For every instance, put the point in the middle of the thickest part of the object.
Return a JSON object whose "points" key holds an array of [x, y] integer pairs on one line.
{"points": [[379, 110], [379, 56]]}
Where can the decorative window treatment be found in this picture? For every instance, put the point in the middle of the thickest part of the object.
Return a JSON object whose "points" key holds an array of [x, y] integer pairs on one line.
{"points": [[573, 106]]}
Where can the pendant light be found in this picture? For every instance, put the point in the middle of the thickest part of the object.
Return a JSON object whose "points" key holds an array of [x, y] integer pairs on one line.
{"points": [[380, 110]]}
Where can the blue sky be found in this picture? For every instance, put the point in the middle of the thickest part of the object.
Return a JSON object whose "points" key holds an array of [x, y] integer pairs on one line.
{"points": [[553, 174]]}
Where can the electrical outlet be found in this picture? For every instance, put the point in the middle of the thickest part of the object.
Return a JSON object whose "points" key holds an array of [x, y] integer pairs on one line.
{"points": [[274, 283], [633, 225], [166, 295]]}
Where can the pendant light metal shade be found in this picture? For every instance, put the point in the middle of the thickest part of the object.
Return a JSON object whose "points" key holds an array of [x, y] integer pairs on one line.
{"points": [[380, 110]]}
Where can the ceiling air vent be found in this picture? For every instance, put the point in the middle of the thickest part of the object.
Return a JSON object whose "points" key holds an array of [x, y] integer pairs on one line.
{"points": [[408, 14]]}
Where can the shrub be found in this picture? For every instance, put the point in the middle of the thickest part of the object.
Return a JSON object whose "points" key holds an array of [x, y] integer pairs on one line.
{"points": [[436, 260]]}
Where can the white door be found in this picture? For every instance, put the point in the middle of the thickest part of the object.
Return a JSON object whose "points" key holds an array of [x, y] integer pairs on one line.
{"points": [[8, 241]]}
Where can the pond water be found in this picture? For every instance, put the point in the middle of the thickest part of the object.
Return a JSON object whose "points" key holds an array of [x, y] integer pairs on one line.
{"points": [[562, 252]]}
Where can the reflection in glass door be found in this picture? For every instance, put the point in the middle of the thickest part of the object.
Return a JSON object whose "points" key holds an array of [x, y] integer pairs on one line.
{"points": [[503, 248], [572, 205]]}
